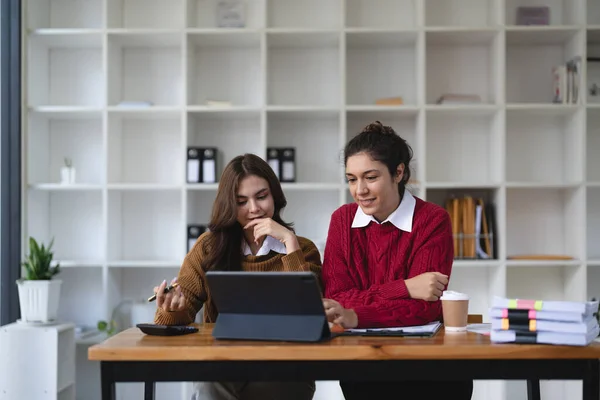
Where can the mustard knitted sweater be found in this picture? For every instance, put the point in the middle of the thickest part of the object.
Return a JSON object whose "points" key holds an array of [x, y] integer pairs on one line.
{"points": [[192, 280]]}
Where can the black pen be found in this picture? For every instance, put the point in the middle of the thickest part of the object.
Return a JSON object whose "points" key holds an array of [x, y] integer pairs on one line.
{"points": [[167, 289]]}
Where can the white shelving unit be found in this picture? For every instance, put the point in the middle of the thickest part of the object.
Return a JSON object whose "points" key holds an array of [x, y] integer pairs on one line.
{"points": [[306, 74]]}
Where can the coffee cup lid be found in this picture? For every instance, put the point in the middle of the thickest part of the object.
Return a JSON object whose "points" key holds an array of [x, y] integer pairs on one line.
{"points": [[452, 295]]}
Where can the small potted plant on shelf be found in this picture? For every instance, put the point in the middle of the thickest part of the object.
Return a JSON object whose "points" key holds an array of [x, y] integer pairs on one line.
{"points": [[39, 293], [67, 172]]}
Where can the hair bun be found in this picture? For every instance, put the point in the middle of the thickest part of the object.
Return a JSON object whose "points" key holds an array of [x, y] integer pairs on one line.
{"points": [[378, 127]]}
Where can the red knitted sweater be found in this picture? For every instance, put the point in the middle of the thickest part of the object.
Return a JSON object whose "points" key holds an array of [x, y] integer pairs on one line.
{"points": [[364, 268]]}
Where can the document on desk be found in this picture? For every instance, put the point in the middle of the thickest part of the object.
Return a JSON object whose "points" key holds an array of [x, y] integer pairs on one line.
{"points": [[426, 330]]}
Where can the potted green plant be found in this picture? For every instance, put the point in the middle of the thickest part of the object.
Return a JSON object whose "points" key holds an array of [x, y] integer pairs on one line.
{"points": [[39, 293]]}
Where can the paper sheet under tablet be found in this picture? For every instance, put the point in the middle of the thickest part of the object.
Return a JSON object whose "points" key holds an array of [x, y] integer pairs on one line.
{"points": [[428, 328]]}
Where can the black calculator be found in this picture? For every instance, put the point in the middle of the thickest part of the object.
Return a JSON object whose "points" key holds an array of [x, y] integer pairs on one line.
{"points": [[166, 330]]}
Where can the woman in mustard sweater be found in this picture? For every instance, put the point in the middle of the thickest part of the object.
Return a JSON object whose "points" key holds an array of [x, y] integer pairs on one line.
{"points": [[246, 232]]}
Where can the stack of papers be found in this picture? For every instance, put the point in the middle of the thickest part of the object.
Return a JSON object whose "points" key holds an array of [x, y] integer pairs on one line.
{"points": [[421, 330], [549, 322]]}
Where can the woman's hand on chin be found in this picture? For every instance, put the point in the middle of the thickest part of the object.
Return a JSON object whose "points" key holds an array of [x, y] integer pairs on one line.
{"points": [[262, 227]]}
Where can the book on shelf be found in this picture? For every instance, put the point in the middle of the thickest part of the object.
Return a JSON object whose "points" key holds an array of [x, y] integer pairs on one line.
{"points": [[458, 99], [566, 82], [390, 101], [283, 162], [193, 233], [541, 257], [473, 227], [135, 104], [219, 103], [201, 165], [536, 15]]}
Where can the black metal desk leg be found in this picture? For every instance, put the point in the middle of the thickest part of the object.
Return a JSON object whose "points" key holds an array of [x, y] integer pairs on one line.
{"points": [[108, 382], [533, 389], [148, 390], [591, 381]]}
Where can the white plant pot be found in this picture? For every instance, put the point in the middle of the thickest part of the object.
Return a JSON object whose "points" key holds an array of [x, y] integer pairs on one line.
{"points": [[67, 175], [39, 300]]}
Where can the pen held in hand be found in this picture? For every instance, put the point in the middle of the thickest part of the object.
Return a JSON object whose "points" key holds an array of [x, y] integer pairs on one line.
{"points": [[167, 290]]}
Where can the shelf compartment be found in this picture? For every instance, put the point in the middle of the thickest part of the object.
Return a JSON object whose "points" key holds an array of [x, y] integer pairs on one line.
{"points": [[199, 207], [405, 125], [152, 14], [562, 12], [593, 67], [544, 221], [306, 14], [316, 139], [476, 281], [463, 13], [543, 148], [65, 14], [65, 70], [202, 14], [530, 56], [373, 63], [303, 69], [145, 149], [133, 286], [465, 146], [549, 283], [489, 196], [127, 295], [540, 35], [145, 226], [593, 280], [593, 13], [73, 219], [53, 137], [315, 224], [593, 223], [463, 62], [232, 134], [82, 286], [225, 67], [145, 67], [593, 145], [381, 14]]}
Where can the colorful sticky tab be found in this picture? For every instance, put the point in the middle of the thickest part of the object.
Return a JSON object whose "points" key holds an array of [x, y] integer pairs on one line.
{"points": [[532, 314], [505, 324], [532, 325], [526, 304], [505, 313]]}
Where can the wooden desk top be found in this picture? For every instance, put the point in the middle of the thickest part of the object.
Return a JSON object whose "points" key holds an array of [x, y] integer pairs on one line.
{"points": [[133, 345]]}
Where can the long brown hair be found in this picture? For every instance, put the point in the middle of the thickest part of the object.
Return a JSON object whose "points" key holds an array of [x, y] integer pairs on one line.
{"points": [[223, 247]]}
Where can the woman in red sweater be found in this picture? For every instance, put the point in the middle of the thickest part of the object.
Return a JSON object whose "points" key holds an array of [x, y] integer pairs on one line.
{"points": [[388, 256]]}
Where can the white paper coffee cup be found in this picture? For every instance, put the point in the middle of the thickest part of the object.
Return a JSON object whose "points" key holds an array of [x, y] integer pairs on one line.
{"points": [[455, 310]]}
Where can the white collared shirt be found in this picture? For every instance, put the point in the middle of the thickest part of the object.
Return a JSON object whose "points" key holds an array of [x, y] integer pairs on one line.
{"points": [[401, 218], [270, 243]]}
